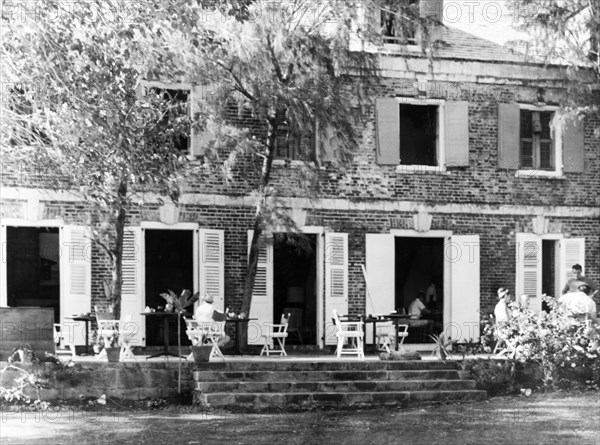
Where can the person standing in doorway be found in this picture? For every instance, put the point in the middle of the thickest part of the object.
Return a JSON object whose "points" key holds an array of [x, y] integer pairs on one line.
{"points": [[579, 279]]}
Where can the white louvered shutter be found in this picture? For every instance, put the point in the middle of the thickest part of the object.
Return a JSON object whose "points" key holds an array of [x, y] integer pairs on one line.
{"points": [[132, 295], [461, 254], [572, 251], [529, 269], [381, 276], [336, 280], [75, 280], [262, 294], [212, 266]]}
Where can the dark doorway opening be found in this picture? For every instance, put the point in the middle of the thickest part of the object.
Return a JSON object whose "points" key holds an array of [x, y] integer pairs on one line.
{"points": [[419, 265], [33, 267], [169, 265], [295, 285], [548, 270]]}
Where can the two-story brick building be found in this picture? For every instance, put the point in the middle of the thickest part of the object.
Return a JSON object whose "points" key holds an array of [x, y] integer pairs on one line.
{"points": [[467, 178]]}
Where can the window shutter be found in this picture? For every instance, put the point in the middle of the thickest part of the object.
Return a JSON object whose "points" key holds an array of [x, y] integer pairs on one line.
{"points": [[529, 269], [572, 142], [572, 251], [262, 293], [508, 136], [212, 266], [327, 143], [456, 127], [132, 295], [380, 275], [462, 257], [199, 139], [387, 112], [75, 279], [336, 280]]}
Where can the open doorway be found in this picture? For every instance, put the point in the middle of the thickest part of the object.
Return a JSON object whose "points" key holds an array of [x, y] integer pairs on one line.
{"points": [[420, 268], [169, 265], [549, 273], [33, 267], [295, 285]]}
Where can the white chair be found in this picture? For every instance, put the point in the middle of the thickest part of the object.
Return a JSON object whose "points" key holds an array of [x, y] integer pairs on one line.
{"points": [[127, 331], [276, 332], [61, 344], [109, 327], [206, 333], [386, 335], [353, 332]]}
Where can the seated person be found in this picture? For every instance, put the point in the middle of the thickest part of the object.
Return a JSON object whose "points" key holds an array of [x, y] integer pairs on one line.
{"points": [[501, 308], [417, 311], [206, 313], [580, 305]]}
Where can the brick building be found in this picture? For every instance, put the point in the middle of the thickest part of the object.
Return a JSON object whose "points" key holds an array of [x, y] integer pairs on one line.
{"points": [[467, 178]]}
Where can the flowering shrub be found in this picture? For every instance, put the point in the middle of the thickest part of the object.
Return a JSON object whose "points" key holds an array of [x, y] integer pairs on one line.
{"points": [[566, 350]]}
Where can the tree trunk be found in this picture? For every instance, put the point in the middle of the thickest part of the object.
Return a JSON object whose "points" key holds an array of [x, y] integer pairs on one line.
{"points": [[258, 228], [117, 267]]}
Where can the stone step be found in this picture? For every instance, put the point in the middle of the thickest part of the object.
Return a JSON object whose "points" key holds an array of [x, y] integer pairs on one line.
{"points": [[277, 364], [333, 386], [334, 399], [319, 376]]}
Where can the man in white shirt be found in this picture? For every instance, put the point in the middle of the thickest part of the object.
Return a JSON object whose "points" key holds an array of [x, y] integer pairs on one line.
{"points": [[205, 313], [416, 310]]}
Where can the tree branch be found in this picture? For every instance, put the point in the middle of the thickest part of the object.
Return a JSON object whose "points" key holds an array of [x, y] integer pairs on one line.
{"points": [[239, 86]]}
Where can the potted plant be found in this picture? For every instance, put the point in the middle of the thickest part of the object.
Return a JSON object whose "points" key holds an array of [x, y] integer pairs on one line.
{"points": [[179, 305], [112, 348], [442, 345]]}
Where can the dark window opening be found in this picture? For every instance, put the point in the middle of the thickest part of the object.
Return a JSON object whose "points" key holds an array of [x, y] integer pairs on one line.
{"points": [[537, 140], [398, 25], [178, 105], [418, 134], [33, 268], [293, 145]]}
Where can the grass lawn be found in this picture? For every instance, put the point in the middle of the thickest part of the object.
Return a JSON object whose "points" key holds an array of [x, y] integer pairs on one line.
{"points": [[540, 419]]}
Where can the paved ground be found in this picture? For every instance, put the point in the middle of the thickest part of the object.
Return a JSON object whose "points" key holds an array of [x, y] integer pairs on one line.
{"points": [[545, 419]]}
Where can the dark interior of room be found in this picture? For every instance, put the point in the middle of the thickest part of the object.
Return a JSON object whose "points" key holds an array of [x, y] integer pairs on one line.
{"points": [[169, 265], [294, 287], [33, 267]]}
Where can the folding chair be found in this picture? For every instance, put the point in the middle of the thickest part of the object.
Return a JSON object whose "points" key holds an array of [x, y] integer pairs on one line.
{"points": [[276, 332], [213, 333], [107, 328], [61, 344], [386, 335], [127, 331], [351, 331]]}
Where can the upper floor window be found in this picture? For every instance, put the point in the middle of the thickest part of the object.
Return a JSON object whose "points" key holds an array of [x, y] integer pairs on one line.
{"points": [[430, 134], [398, 25], [537, 140], [177, 101], [294, 147]]}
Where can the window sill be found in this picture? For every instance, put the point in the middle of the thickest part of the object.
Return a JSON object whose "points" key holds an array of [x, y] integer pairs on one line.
{"points": [[400, 47], [292, 163], [539, 174], [421, 169]]}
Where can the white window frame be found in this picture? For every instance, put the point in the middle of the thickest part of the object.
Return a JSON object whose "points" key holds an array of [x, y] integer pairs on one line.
{"points": [[441, 136], [558, 152]]}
